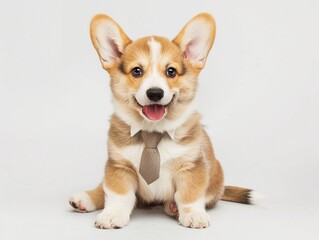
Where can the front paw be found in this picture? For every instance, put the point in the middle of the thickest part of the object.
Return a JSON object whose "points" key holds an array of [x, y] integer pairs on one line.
{"points": [[195, 219], [107, 220]]}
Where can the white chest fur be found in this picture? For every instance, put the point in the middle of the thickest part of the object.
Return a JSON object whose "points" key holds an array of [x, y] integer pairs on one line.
{"points": [[169, 150]]}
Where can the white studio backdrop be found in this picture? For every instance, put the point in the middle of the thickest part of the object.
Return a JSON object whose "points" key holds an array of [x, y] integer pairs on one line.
{"points": [[258, 95]]}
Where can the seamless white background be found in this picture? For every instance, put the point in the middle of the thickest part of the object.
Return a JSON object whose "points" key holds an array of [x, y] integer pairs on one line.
{"points": [[258, 95]]}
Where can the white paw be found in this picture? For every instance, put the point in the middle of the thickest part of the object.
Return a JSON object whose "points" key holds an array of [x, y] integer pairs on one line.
{"points": [[108, 220], [195, 219], [81, 202]]}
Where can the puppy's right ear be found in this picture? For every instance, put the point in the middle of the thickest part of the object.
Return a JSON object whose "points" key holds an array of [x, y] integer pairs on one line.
{"points": [[108, 39]]}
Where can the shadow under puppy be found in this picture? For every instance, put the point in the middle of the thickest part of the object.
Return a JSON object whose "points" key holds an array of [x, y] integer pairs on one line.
{"points": [[158, 151]]}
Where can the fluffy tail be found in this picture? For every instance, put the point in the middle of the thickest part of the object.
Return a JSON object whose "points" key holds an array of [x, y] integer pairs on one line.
{"points": [[237, 194]]}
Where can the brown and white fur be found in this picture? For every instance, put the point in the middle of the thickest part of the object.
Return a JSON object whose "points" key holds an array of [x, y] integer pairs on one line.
{"points": [[191, 179]]}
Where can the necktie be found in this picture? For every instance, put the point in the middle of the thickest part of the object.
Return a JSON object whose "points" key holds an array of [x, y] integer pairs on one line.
{"points": [[150, 160]]}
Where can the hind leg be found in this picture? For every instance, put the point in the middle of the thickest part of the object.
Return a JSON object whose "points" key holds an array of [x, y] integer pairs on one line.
{"points": [[216, 185], [88, 201], [170, 208]]}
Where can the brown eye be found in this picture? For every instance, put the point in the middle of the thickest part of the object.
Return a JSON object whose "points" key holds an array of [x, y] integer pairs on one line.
{"points": [[171, 72], [137, 72]]}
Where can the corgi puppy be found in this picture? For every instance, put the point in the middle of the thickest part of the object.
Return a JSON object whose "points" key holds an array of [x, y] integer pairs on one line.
{"points": [[154, 82]]}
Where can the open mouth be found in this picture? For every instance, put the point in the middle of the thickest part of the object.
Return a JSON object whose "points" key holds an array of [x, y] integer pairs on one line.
{"points": [[154, 112]]}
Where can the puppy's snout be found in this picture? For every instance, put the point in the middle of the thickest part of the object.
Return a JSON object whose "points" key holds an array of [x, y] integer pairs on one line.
{"points": [[155, 94]]}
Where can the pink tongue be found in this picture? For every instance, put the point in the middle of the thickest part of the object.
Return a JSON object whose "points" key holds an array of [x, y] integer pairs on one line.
{"points": [[154, 111]]}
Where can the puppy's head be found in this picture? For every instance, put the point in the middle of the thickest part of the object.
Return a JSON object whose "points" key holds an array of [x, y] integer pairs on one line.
{"points": [[153, 79]]}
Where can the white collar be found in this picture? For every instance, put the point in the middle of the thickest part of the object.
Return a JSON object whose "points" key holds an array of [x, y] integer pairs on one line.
{"points": [[135, 128]]}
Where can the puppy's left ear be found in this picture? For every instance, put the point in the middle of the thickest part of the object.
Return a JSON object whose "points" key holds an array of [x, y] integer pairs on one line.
{"points": [[197, 38]]}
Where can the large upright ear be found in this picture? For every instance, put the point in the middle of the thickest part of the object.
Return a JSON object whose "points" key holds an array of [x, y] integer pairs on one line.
{"points": [[196, 39], [108, 39]]}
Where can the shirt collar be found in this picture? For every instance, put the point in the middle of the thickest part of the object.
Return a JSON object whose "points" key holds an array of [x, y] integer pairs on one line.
{"points": [[135, 128]]}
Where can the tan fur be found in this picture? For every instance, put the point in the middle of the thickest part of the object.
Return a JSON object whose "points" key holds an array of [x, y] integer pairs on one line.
{"points": [[119, 133], [120, 176], [190, 131], [196, 174], [192, 182], [97, 196]]}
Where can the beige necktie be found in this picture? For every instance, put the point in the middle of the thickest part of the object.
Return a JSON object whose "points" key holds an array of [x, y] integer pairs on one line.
{"points": [[150, 160]]}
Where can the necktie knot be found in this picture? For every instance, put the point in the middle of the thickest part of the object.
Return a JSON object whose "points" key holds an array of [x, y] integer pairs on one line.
{"points": [[151, 139]]}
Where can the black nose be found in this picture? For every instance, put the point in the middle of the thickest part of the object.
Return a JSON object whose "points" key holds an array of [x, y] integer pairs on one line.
{"points": [[155, 94]]}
